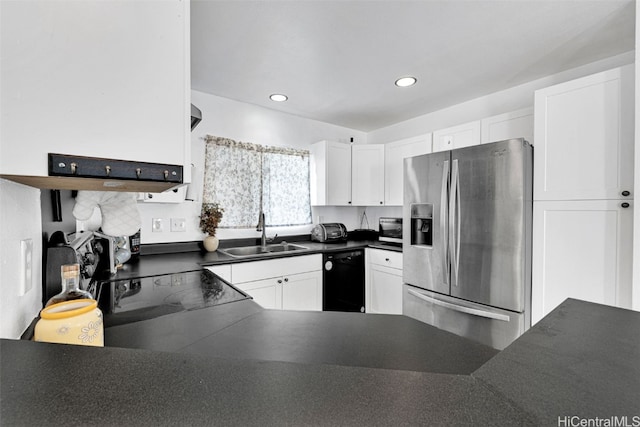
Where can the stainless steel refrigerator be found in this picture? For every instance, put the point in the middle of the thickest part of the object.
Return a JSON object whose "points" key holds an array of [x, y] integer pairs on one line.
{"points": [[467, 240]]}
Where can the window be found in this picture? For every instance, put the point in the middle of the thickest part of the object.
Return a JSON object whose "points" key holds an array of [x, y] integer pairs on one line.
{"points": [[243, 178]]}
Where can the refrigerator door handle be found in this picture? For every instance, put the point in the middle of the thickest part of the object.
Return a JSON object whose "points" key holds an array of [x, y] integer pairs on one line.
{"points": [[443, 220], [454, 222], [462, 309], [458, 214]]}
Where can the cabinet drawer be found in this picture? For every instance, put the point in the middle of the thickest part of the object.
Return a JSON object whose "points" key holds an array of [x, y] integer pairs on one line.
{"points": [[257, 270], [387, 258]]}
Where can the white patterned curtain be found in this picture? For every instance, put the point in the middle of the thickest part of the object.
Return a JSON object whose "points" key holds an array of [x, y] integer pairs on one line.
{"points": [[241, 177]]}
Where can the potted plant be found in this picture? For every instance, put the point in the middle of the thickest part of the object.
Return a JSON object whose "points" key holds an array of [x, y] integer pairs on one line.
{"points": [[209, 220]]}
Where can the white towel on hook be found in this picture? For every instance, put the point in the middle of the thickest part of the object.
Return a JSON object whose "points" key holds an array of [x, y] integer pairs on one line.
{"points": [[120, 215]]}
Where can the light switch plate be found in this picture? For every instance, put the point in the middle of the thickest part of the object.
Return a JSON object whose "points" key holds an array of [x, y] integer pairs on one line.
{"points": [[156, 225], [26, 266]]}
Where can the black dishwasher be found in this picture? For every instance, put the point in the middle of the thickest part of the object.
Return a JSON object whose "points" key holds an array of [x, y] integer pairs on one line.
{"points": [[343, 281]]}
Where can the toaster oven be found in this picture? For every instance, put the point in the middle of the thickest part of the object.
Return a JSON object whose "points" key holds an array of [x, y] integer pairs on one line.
{"points": [[390, 230], [329, 232]]}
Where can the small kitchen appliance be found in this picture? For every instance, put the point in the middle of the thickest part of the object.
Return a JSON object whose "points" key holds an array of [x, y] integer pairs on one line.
{"points": [[329, 232], [83, 250], [94, 252], [390, 230], [343, 281]]}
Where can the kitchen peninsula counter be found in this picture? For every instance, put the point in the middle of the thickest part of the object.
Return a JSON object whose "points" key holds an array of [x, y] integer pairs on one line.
{"points": [[582, 360], [244, 330]]}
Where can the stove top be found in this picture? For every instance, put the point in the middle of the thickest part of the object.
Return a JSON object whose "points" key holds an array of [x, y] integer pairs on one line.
{"points": [[133, 300]]}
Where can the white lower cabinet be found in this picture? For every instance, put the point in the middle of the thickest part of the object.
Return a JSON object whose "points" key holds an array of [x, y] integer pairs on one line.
{"points": [[583, 250], [383, 285], [293, 283], [223, 271], [302, 291], [267, 292]]}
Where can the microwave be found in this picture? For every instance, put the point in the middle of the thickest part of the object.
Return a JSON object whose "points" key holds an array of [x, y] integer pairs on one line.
{"points": [[390, 230]]}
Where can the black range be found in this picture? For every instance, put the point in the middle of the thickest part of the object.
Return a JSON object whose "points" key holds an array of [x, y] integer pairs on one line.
{"points": [[132, 300]]}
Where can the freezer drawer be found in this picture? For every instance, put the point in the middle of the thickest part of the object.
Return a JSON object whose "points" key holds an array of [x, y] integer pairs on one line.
{"points": [[487, 325]]}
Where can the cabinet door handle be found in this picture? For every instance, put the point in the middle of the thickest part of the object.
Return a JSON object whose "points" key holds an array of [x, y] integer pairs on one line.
{"points": [[626, 193], [286, 279], [279, 280], [386, 259], [625, 205]]}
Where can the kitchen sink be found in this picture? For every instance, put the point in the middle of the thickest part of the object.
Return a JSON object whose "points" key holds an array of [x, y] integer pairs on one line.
{"points": [[246, 251]]}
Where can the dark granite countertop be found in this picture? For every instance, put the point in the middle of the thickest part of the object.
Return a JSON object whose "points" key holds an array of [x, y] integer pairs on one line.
{"points": [[168, 263], [49, 384], [243, 330], [582, 360]]}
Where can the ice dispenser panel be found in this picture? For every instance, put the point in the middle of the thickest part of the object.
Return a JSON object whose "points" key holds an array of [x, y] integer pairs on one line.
{"points": [[422, 224]]}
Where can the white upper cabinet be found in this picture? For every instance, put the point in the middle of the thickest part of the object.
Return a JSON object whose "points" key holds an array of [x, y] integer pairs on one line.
{"points": [[367, 174], [330, 174], [97, 79], [584, 138], [394, 155], [516, 124], [464, 135]]}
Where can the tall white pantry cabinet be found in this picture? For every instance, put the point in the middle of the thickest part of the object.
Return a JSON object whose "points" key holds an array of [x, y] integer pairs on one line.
{"points": [[583, 191]]}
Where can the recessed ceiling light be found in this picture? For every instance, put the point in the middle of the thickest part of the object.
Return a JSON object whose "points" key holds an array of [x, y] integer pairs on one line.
{"points": [[278, 97], [406, 81]]}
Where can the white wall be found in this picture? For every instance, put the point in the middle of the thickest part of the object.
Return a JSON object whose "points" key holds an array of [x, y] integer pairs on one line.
{"points": [[19, 220], [249, 123], [496, 103]]}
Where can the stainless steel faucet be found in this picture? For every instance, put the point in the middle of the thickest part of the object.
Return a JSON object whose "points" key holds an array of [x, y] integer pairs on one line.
{"points": [[262, 227]]}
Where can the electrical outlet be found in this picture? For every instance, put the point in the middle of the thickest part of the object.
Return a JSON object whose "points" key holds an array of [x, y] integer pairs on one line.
{"points": [[156, 225], [26, 265], [178, 224]]}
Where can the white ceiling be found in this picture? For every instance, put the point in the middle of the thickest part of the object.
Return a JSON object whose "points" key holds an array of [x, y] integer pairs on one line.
{"points": [[338, 60]]}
